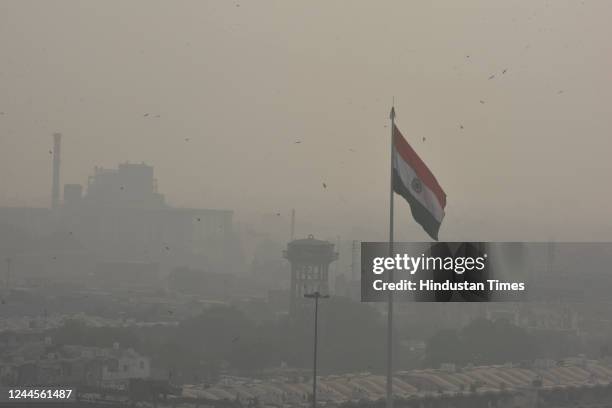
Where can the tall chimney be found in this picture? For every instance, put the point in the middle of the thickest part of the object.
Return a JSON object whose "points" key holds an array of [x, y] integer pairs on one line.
{"points": [[292, 232], [57, 148]]}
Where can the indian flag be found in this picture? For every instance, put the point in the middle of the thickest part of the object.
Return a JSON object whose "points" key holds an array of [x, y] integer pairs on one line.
{"points": [[416, 183]]}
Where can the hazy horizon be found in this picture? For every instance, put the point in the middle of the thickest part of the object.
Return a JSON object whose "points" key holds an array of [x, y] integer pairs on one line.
{"points": [[243, 81]]}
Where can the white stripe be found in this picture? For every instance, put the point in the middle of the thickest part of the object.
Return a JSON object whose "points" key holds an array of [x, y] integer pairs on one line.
{"points": [[426, 196]]}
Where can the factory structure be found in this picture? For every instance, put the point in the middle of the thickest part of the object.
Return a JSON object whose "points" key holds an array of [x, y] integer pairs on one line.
{"points": [[119, 224]]}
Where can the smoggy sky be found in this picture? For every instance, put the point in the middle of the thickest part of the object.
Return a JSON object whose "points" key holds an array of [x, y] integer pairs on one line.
{"points": [[243, 81]]}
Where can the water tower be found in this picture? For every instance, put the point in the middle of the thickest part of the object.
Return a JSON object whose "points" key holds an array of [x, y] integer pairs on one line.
{"points": [[310, 259]]}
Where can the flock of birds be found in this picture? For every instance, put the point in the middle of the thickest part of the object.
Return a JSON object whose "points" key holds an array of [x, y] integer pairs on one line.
{"points": [[324, 184], [461, 126]]}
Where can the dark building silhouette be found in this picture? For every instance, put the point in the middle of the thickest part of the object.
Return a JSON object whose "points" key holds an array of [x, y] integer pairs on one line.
{"points": [[123, 218], [120, 218], [310, 259]]}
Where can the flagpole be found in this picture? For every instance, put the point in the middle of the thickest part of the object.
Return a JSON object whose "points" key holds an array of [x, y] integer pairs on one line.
{"points": [[389, 402]]}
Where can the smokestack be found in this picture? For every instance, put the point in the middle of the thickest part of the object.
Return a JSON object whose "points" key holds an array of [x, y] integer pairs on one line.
{"points": [[57, 147], [292, 232]]}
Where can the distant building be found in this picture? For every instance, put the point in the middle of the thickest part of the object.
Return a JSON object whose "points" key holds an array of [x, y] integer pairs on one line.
{"points": [[129, 185], [43, 363], [123, 218], [310, 259], [123, 366], [119, 219]]}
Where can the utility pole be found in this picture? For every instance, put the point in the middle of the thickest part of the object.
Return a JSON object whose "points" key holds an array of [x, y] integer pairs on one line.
{"points": [[354, 255], [316, 296]]}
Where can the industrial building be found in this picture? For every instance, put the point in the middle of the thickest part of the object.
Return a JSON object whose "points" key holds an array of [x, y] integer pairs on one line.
{"points": [[119, 218]]}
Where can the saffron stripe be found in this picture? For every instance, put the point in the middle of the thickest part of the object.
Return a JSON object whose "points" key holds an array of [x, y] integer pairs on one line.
{"points": [[407, 153]]}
